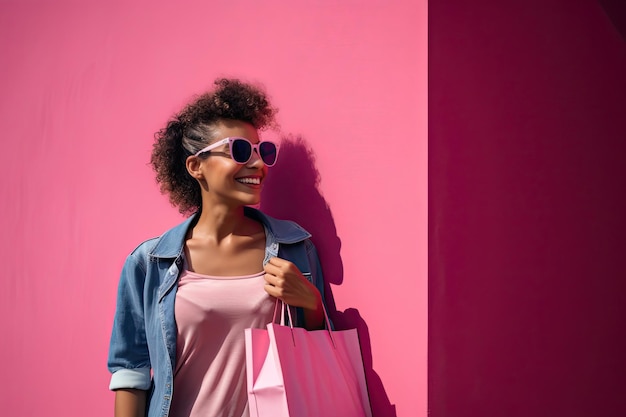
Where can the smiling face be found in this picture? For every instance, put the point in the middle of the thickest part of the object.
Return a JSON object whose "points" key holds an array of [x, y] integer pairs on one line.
{"points": [[224, 181]]}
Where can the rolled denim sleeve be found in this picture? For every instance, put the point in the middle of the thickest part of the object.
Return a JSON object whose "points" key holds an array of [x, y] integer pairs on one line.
{"points": [[129, 359]]}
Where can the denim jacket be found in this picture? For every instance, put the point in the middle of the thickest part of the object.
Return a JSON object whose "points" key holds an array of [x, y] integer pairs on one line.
{"points": [[142, 352]]}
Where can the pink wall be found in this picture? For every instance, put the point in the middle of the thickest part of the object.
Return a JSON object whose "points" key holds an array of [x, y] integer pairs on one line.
{"points": [[84, 87], [527, 225]]}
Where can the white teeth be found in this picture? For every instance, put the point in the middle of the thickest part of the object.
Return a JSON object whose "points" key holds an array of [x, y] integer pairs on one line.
{"points": [[249, 180]]}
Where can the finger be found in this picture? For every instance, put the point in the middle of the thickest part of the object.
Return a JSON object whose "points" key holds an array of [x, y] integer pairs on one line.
{"points": [[273, 291], [272, 269], [270, 289], [280, 262], [275, 279], [284, 271]]}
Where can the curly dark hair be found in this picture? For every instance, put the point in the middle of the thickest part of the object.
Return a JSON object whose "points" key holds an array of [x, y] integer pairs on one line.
{"points": [[193, 128]]}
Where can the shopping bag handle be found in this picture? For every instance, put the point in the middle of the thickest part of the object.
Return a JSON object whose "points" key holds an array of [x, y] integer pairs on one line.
{"points": [[282, 313], [284, 306]]}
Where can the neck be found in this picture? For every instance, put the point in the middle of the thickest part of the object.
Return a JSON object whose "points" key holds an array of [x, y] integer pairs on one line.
{"points": [[218, 222]]}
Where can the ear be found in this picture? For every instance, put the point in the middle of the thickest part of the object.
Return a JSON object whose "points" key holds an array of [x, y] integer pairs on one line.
{"points": [[193, 164]]}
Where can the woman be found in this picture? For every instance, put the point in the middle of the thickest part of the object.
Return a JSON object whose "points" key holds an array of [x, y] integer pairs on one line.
{"points": [[185, 298]]}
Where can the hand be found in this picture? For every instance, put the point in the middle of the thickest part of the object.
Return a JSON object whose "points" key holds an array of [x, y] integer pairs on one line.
{"points": [[284, 281]]}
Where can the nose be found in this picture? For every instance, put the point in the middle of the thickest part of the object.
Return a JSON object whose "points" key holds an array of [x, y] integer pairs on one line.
{"points": [[255, 159]]}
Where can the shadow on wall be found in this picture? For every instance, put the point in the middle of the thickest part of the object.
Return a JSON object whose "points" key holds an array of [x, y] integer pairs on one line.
{"points": [[616, 12], [292, 192]]}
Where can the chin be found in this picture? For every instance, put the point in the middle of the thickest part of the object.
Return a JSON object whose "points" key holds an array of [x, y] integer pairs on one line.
{"points": [[251, 200]]}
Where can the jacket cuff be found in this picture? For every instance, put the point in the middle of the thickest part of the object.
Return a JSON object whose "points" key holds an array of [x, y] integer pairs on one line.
{"points": [[131, 378]]}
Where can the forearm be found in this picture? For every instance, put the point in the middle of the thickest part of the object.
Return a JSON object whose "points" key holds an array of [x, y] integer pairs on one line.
{"points": [[130, 403]]}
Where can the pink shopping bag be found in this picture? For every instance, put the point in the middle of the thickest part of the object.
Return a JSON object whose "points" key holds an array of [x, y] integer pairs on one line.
{"points": [[292, 372]]}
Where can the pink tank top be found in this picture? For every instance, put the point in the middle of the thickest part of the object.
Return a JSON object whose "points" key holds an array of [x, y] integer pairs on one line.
{"points": [[211, 315]]}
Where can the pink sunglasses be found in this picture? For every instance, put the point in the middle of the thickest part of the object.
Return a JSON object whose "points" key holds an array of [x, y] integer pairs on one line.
{"points": [[241, 150]]}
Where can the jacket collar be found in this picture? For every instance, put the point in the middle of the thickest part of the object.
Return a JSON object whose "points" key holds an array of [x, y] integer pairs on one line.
{"points": [[171, 243]]}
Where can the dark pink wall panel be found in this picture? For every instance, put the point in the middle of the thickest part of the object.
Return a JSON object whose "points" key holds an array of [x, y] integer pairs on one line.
{"points": [[527, 204]]}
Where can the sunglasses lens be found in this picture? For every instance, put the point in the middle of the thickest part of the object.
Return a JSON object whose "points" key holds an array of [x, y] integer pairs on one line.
{"points": [[241, 151], [268, 153]]}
